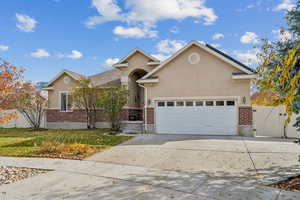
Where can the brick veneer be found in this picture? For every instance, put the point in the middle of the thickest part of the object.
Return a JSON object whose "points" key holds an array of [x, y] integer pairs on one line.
{"points": [[245, 116], [150, 116], [54, 115]]}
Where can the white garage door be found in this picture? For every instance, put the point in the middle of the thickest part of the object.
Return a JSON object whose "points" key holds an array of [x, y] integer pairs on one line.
{"points": [[209, 117]]}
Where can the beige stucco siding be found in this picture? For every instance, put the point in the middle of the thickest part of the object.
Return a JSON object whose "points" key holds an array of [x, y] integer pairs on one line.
{"points": [[210, 77], [59, 86], [136, 62]]}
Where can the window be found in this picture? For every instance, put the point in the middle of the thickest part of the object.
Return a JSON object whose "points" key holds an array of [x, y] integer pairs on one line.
{"points": [[161, 104], [170, 104], [179, 103], [219, 103], [209, 103], [65, 102], [199, 103], [230, 103], [189, 103]]}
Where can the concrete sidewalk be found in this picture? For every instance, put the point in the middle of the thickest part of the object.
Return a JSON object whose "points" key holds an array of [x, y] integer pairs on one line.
{"points": [[94, 180]]}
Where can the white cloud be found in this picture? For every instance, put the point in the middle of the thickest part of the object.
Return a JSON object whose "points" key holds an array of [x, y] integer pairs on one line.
{"points": [[170, 46], [249, 38], [3, 48], [75, 54], [247, 57], [161, 57], [110, 62], [134, 32], [285, 5], [282, 35], [40, 53], [149, 12], [216, 45], [217, 36], [25, 23]]}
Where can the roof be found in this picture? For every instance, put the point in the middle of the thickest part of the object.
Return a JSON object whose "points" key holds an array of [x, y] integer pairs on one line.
{"points": [[74, 75], [111, 76], [135, 51], [210, 50], [229, 57]]}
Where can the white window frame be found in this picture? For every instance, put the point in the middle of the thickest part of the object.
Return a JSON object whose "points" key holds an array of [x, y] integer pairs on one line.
{"points": [[67, 101]]}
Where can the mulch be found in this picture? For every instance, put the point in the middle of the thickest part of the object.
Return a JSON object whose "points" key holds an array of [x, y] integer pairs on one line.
{"points": [[292, 184]]}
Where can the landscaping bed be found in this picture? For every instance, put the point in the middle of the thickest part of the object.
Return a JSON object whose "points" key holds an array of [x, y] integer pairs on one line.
{"points": [[68, 144], [13, 174], [291, 184]]}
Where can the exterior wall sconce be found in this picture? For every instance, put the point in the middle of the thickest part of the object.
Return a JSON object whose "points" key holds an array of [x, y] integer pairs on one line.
{"points": [[149, 102], [244, 100]]}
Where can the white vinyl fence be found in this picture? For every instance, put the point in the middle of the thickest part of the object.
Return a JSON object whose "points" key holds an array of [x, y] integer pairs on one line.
{"points": [[269, 121], [19, 122]]}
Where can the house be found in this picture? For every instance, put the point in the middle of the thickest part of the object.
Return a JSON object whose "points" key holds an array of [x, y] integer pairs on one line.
{"points": [[198, 90]]}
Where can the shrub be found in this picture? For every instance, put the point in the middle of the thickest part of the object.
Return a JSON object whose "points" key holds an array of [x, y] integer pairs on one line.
{"points": [[65, 149], [79, 149], [49, 147]]}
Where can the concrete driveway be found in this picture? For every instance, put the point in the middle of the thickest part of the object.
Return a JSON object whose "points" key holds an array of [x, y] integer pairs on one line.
{"points": [[165, 167], [191, 153]]}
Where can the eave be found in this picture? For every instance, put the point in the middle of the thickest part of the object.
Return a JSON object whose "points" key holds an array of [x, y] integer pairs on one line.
{"points": [[153, 63], [120, 65], [153, 80], [243, 76], [48, 88]]}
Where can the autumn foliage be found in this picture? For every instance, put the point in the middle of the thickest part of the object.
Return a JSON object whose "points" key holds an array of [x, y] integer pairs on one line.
{"points": [[10, 81]]}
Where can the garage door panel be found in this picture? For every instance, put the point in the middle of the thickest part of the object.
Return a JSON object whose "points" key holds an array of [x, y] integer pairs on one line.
{"points": [[206, 120]]}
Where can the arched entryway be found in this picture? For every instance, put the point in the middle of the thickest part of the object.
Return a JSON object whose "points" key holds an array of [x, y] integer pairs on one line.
{"points": [[136, 95]]}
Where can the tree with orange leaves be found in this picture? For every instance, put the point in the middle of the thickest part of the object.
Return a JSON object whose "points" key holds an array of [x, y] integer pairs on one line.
{"points": [[10, 80]]}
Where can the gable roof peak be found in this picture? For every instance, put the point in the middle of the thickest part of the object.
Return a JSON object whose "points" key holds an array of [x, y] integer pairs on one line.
{"points": [[226, 58], [133, 51], [74, 75]]}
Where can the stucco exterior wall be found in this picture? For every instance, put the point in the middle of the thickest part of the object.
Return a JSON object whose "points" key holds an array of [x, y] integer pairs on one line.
{"points": [[211, 77], [137, 61], [59, 86]]}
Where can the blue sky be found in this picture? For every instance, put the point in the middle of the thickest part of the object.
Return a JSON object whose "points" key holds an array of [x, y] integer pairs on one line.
{"points": [[87, 36]]}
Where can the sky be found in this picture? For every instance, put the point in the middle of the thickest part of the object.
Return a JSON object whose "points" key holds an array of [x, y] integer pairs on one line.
{"points": [[89, 36]]}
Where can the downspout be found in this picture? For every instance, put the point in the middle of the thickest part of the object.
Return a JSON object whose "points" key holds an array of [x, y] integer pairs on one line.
{"points": [[145, 107]]}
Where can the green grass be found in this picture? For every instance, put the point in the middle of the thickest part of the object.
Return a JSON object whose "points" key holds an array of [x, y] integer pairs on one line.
{"points": [[28, 143]]}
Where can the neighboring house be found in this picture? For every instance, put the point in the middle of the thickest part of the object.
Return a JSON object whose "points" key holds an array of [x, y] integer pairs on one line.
{"points": [[198, 90]]}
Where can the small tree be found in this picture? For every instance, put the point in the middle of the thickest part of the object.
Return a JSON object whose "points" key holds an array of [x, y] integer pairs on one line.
{"points": [[31, 105], [84, 96], [112, 100], [10, 80]]}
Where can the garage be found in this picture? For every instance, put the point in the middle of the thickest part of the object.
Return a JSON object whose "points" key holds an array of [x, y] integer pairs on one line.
{"points": [[203, 117]]}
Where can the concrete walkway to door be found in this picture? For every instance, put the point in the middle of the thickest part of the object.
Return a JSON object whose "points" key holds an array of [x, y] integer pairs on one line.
{"points": [[165, 167]]}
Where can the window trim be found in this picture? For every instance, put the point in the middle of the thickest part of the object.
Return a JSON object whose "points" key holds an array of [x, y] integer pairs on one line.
{"points": [[203, 103], [67, 101], [161, 102], [180, 102], [213, 103], [185, 103], [234, 103], [170, 102], [224, 103]]}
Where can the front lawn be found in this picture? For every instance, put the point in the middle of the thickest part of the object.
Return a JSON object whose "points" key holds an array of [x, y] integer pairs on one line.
{"points": [[72, 144]]}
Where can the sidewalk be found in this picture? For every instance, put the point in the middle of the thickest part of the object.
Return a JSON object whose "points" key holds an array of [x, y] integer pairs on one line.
{"points": [[95, 180]]}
